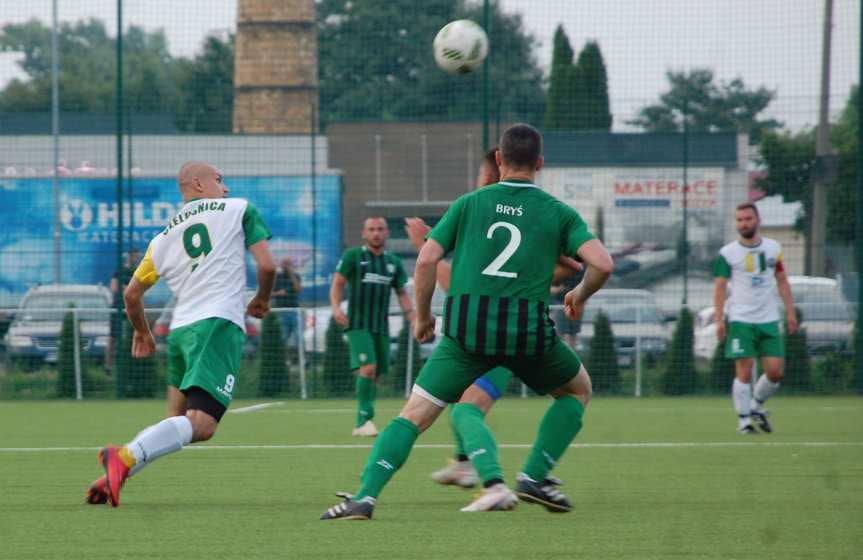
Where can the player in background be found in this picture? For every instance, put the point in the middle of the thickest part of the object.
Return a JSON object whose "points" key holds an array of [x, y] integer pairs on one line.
{"points": [[753, 265], [506, 240], [478, 399], [369, 273], [201, 254]]}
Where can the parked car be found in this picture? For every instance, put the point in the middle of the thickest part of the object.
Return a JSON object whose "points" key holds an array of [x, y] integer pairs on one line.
{"points": [[162, 327], [826, 314], [318, 318], [635, 319], [34, 334]]}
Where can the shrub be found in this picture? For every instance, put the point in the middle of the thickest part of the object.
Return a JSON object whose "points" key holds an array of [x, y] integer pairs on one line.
{"points": [[336, 370], [679, 377], [798, 370], [273, 367], [66, 359], [141, 374], [602, 359], [721, 371]]}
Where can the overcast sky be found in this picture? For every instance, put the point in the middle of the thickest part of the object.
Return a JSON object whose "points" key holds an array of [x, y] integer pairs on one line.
{"points": [[775, 43]]}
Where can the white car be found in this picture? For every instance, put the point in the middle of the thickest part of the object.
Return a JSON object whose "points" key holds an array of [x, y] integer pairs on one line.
{"points": [[826, 317], [318, 318]]}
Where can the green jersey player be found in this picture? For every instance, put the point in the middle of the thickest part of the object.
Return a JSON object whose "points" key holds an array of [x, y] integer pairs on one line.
{"points": [[369, 273], [201, 254], [506, 239], [753, 267]]}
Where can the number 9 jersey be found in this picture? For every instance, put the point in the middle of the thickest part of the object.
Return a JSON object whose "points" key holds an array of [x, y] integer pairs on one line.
{"points": [[202, 255], [507, 238]]}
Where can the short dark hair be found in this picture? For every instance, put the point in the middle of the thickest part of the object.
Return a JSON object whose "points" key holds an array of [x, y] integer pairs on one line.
{"points": [[749, 206], [490, 158], [521, 145]]}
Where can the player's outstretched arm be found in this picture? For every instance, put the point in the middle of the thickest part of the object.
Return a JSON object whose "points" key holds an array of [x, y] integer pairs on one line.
{"points": [[417, 230], [143, 343], [599, 269], [784, 289], [720, 287], [424, 282], [260, 304]]}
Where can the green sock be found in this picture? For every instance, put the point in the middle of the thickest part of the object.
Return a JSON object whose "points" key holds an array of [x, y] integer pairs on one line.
{"points": [[459, 443], [390, 452], [365, 399], [469, 421], [558, 428]]}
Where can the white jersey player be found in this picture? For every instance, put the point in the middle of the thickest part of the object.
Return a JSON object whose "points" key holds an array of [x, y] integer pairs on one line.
{"points": [[201, 255], [753, 266]]}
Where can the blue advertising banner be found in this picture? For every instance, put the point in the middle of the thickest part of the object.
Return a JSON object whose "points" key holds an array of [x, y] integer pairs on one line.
{"points": [[305, 222]]}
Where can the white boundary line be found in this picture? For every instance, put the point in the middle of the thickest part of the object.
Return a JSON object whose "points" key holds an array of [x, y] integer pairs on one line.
{"points": [[635, 445], [255, 407]]}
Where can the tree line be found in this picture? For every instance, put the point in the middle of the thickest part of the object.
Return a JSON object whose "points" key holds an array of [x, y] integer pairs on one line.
{"points": [[375, 63]]}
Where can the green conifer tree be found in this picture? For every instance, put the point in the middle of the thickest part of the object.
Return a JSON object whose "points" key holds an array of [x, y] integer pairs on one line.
{"points": [[679, 377], [336, 371], [273, 376], [602, 362]]}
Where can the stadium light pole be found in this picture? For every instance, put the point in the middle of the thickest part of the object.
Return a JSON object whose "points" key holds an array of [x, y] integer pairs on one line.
{"points": [[824, 162], [685, 242], [859, 243], [120, 357], [55, 134], [486, 89]]}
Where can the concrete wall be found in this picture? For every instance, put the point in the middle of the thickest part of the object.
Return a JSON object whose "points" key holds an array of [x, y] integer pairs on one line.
{"points": [[384, 173]]}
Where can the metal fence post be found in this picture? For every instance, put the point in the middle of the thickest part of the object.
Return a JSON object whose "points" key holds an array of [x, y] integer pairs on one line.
{"points": [[79, 391], [301, 353], [638, 352], [409, 366]]}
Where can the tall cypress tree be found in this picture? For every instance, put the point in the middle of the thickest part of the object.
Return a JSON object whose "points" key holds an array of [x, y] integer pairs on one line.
{"points": [[591, 102], [558, 110]]}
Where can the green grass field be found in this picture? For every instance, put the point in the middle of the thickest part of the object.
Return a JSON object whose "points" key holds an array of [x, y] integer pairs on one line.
{"points": [[694, 489]]}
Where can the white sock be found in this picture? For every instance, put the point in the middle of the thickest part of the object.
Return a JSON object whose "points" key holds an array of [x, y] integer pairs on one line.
{"points": [[741, 394], [168, 436], [764, 389]]}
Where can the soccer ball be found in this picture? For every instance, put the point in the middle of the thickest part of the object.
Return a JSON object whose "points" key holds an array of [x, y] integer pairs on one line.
{"points": [[460, 47]]}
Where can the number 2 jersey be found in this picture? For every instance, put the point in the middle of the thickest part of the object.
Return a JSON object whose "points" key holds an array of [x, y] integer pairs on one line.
{"points": [[202, 255], [507, 238], [752, 272]]}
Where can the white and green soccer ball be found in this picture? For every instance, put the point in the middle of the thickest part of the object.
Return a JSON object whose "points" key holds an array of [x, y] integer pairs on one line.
{"points": [[460, 47]]}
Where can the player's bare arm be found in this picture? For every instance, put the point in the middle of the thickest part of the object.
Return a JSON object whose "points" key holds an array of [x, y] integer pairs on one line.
{"points": [[784, 289], [720, 289], [337, 289], [566, 267], [424, 282], [143, 343], [260, 304], [406, 304], [599, 268], [417, 230]]}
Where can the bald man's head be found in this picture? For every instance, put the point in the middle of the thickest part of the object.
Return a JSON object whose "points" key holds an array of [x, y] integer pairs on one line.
{"points": [[199, 179]]}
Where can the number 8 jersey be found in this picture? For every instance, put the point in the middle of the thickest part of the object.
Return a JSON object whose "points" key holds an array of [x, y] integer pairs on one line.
{"points": [[202, 255], [752, 272], [507, 238]]}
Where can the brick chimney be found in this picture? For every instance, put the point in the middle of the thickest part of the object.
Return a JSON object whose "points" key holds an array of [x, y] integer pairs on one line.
{"points": [[275, 67]]}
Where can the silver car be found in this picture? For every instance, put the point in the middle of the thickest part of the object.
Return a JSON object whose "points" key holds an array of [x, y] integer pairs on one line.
{"points": [[635, 321], [34, 334]]}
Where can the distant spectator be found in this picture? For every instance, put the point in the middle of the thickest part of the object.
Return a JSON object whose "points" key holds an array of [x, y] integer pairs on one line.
{"points": [[286, 293], [119, 281]]}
